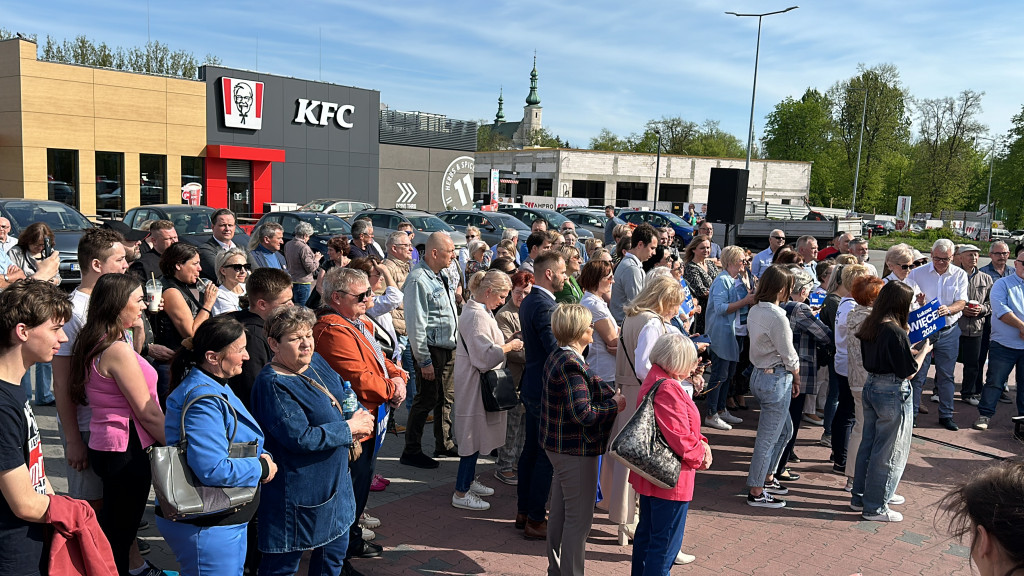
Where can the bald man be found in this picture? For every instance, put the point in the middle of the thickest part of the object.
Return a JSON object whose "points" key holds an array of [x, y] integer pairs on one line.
{"points": [[763, 260]]}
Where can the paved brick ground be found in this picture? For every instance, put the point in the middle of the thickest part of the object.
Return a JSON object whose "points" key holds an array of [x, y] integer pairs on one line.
{"points": [[815, 534]]}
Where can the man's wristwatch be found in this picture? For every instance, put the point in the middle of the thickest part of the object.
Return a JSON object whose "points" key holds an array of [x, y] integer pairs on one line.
{"points": [[6, 279]]}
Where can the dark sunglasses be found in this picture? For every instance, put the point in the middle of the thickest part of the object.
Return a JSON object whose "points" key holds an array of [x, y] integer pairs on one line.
{"points": [[910, 266], [359, 297], [238, 267], [779, 237]]}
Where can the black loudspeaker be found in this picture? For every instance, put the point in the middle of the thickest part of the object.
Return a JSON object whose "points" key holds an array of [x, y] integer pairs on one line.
{"points": [[727, 195]]}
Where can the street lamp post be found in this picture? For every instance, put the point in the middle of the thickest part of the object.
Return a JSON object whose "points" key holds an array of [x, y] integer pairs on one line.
{"points": [[988, 197], [753, 95], [860, 142], [657, 170]]}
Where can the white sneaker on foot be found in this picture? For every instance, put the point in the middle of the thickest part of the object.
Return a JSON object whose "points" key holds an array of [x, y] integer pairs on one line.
{"points": [[480, 490], [896, 500], [682, 558], [981, 423], [849, 485], [714, 421], [729, 418], [367, 521], [368, 534], [469, 502], [935, 397], [885, 516]]}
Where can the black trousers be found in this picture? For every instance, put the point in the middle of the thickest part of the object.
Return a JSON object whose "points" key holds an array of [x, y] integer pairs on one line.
{"points": [[796, 409], [842, 423], [126, 479], [362, 476], [433, 396]]}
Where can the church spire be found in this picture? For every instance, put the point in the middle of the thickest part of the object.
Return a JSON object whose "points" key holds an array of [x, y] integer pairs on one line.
{"points": [[532, 99], [499, 118]]}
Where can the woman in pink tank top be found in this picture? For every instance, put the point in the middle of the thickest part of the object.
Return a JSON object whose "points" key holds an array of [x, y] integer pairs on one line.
{"points": [[109, 375]]}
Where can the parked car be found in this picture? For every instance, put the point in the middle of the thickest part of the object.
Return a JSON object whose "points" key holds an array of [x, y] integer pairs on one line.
{"points": [[592, 219], [324, 226], [658, 219], [878, 227], [491, 224], [61, 192], [385, 221], [999, 234], [67, 225], [1017, 236], [528, 215], [339, 206], [192, 223]]}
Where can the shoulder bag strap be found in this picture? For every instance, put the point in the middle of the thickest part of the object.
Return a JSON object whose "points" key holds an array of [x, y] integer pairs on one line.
{"points": [[234, 415], [314, 383]]}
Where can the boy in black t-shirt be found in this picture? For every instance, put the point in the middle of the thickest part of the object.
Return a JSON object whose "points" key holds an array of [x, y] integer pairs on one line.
{"points": [[30, 332]]}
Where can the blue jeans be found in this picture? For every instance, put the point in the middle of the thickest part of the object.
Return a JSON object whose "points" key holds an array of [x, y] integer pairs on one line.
{"points": [[1001, 360], [885, 443], [43, 373], [327, 560], [300, 293], [832, 400], [944, 355], [658, 536], [722, 372], [535, 471], [467, 472], [205, 549], [774, 427]]}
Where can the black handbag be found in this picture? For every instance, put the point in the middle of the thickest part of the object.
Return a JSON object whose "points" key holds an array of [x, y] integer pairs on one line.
{"points": [[181, 495], [642, 448], [497, 388]]}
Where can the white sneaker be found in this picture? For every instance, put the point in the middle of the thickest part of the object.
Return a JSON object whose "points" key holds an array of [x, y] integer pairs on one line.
{"points": [[480, 490], [367, 521], [729, 418], [886, 516], [715, 422], [974, 400], [935, 397], [981, 423], [368, 534], [682, 558], [469, 502], [849, 485], [897, 500]]}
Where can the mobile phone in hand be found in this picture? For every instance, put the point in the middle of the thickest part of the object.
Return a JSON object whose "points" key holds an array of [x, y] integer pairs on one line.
{"points": [[47, 248]]}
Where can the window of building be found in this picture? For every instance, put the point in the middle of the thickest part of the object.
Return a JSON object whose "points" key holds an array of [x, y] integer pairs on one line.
{"points": [[544, 187], [192, 171], [592, 190], [110, 184], [152, 179], [62, 176], [630, 191]]}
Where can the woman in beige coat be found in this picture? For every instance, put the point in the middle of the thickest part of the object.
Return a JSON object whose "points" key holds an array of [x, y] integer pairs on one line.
{"points": [[480, 348], [647, 319]]}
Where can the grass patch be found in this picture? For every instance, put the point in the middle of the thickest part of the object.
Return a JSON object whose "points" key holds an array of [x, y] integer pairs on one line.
{"points": [[922, 240]]}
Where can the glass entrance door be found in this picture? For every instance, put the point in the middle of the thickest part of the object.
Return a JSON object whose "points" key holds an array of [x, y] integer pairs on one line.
{"points": [[240, 197]]}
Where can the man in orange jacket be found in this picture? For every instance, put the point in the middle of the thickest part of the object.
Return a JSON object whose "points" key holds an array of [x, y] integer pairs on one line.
{"points": [[344, 337]]}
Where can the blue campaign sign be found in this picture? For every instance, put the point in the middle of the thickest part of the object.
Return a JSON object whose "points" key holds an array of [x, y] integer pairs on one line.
{"points": [[382, 426], [816, 298], [687, 306], [925, 321]]}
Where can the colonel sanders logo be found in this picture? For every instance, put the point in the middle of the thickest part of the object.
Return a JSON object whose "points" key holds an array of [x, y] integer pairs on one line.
{"points": [[243, 103]]}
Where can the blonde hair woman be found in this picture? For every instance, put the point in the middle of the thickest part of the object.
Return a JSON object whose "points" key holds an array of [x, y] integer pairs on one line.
{"points": [[232, 268], [571, 293], [481, 347], [648, 317]]}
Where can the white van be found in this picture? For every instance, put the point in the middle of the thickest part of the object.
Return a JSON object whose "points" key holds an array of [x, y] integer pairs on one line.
{"points": [[999, 234]]}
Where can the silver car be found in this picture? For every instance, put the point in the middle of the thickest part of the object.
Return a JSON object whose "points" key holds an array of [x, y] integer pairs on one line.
{"points": [[385, 221], [339, 206], [592, 219]]}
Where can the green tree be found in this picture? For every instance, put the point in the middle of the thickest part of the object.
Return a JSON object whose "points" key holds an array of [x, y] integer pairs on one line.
{"points": [[607, 140], [543, 138], [154, 57], [1008, 172], [487, 139]]}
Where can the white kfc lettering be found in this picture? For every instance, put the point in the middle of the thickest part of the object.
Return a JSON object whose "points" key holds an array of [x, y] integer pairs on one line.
{"points": [[306, 113]]}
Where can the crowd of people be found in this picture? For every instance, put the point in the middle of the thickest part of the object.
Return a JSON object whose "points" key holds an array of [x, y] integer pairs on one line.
{"points": [[309, 359]]}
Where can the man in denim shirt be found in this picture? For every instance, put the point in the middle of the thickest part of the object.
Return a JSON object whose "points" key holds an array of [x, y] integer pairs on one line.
{"points": [[1007, 347], [430, 321]]}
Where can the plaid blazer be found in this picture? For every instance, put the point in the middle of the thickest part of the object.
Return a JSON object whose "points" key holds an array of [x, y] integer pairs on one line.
{"points": [[577, 410], [808, 334]]}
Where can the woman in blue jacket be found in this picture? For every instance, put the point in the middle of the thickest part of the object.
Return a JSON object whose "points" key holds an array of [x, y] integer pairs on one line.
{"points": [[721, 328], [298, 398], [216, 543]]}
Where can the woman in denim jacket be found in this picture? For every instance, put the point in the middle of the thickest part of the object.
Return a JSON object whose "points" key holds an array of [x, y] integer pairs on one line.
{"points": [[297, 399], [214, 543]]}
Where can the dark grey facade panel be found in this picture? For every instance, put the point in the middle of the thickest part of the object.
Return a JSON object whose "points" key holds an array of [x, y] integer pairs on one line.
{"points": [[427, 131]]}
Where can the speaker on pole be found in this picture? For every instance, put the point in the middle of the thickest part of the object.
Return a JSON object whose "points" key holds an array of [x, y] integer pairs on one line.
{"points": [[727, 195]]}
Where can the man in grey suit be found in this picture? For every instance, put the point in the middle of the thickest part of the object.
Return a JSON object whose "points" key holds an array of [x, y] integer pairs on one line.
{"points": [[629, 274]]}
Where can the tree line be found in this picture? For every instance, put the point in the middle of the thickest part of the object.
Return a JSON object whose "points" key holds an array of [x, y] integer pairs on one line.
{"points": [[154, 57]]}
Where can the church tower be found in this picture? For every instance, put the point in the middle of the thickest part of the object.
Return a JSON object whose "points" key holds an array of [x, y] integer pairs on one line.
{"points": [[499, 118], [532, 112]]}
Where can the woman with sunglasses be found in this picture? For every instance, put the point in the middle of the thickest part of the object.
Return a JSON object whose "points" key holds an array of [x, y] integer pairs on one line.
{"points": [[571, 292], [746, 283], [232, 268]]}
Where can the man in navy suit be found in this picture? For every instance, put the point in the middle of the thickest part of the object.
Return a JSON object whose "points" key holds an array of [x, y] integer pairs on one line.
{"points": [[223, 222], [539, 342]]}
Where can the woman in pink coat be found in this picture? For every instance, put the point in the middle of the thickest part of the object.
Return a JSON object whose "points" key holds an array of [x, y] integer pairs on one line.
{"points": [[659, 533]]}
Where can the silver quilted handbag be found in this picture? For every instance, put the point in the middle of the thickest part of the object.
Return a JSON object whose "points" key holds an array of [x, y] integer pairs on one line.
{"points": [[179, 492], [642, 448]]}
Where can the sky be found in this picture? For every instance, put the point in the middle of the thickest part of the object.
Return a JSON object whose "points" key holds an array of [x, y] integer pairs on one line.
{"points": [[601, 64]]}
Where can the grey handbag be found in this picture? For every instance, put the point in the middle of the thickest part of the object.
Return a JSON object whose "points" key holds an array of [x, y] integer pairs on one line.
{"points": [[642, 448], [179, 492]]}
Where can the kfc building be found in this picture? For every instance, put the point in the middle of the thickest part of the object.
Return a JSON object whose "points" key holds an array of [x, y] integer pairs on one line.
{"points": [[105, 141]]}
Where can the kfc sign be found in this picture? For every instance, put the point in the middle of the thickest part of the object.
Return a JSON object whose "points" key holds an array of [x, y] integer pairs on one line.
{"points": [[242, 103], [317, 113]]}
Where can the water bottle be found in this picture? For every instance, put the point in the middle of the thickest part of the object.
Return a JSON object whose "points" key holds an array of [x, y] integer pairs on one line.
{"points": [[349, 403]]}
